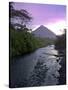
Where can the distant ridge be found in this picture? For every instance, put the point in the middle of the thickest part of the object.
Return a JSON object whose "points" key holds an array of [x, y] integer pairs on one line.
{"points": [[44, 32]]}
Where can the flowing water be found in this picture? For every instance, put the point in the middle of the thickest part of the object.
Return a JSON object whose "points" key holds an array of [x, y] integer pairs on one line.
{"points": [[39, 68]]}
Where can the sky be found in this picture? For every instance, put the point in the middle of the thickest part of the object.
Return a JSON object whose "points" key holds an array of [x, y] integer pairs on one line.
{"points": [[50, 15]]}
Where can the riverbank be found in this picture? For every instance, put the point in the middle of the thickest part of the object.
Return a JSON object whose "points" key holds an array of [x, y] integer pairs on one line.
{"points": [[62, 71], [60, 46]]}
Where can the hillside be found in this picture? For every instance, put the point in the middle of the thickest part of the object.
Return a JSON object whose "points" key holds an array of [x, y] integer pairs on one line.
{"points": [[44, 32]]}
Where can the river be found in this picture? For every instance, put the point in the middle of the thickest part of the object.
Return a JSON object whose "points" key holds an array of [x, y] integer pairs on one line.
{"points": [[40, 68]]}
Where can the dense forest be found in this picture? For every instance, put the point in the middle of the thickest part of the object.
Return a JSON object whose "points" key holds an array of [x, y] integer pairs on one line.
{"points": [[60, 43], [22, 42]]}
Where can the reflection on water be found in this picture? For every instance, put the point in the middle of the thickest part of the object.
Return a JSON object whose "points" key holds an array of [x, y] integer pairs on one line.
{"points": [[36, 69]]}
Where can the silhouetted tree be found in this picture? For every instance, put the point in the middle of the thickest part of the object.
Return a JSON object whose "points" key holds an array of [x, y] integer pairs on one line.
{"points": [[18, 17]]}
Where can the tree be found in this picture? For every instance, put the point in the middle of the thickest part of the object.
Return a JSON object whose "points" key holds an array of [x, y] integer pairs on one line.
{"points": [[18, 17], [61, 41]]}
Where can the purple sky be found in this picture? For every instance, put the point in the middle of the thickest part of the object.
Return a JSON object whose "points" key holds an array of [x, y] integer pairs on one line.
{"points": [[43, 14]]}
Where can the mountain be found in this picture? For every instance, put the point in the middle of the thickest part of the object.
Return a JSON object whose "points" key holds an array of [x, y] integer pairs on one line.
{"points": [[44, 32]]}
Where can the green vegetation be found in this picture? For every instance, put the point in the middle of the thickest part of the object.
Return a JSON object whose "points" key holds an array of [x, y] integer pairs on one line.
{"points": [[22, 42], [60, 43]]}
